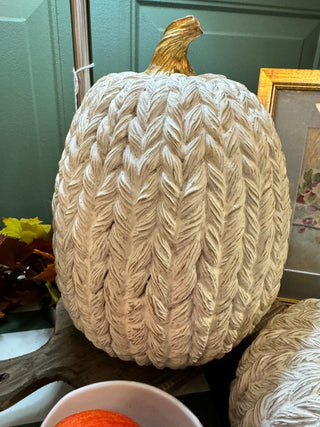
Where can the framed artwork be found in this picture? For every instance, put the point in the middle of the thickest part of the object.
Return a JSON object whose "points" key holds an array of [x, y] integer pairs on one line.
{"points": [[293, 99]]}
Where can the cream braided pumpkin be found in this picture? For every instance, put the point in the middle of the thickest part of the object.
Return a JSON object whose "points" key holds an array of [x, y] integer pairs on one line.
{"points": [[171, 211], [278, 377]]}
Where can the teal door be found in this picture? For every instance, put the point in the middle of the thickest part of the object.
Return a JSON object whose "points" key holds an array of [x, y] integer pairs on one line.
{"points": [[240, 37], [36, 102]]}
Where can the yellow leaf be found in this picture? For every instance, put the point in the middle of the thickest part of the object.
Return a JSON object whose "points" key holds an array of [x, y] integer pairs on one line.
{"points": [[12, 227], [53, 291], [26, 229]]}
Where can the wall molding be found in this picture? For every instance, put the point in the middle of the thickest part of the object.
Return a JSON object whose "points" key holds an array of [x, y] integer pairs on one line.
{"points": [[310, 9]]}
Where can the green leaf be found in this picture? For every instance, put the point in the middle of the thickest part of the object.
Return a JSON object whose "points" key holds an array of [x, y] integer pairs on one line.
{"points": [[308, 178], [316, 177]]}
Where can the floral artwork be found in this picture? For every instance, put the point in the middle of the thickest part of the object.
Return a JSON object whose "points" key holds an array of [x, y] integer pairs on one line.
{"points": [[304, 245], [308, 201]]}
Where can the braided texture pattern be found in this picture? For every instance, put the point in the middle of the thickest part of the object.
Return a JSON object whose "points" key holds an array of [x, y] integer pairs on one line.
{"points": [[278, 378], [171, 217]]}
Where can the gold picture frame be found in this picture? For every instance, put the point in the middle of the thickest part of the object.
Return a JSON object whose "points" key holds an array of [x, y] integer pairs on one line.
{"points": [[271, 80], [292, 97]]}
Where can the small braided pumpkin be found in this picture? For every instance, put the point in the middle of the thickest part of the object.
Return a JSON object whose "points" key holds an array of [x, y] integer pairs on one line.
{"points": [[278, 378], [171, 211]]}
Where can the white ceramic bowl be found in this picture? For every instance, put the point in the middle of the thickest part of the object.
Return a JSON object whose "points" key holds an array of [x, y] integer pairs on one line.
{"points": [[147, 405]]}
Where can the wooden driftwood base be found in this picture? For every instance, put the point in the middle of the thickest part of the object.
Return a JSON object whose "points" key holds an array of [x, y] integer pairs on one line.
{"points": [[68, 356]]}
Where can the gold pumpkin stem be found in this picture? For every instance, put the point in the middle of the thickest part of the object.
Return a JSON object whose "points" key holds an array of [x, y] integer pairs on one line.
{"points": [[170, 56]]}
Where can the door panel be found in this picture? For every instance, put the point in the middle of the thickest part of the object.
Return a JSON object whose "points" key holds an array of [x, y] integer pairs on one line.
{"points": [[36, 103], [234, 44], [239, 38]]}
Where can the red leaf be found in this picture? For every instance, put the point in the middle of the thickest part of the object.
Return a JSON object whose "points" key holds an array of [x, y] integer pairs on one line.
{"points": [[3, 306], [42, 245], [26, 297], [13, 251]]}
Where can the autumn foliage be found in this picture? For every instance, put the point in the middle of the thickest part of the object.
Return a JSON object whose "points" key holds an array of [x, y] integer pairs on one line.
{"points": [[27, 272]]}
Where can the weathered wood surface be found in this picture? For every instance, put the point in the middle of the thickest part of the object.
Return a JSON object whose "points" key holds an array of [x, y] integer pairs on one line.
{"points": [[68, 356]]}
